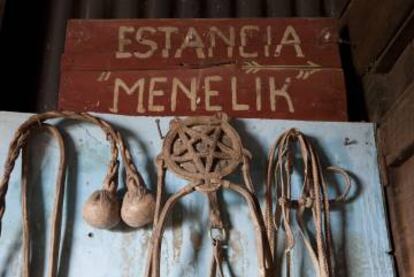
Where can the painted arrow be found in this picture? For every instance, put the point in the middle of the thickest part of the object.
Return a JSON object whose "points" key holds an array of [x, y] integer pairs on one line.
{"points": [[254, 67]]}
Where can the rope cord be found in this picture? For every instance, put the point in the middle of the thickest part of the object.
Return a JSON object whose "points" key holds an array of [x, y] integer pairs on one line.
{"points": [[313, 197], [19, 143]]}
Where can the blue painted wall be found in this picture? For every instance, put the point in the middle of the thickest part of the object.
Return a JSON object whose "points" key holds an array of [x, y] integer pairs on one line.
{"points": [[360, 231]]}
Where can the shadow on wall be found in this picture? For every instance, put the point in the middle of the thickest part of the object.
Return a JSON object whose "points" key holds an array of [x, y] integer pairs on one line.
{"points": [[353, 82]]}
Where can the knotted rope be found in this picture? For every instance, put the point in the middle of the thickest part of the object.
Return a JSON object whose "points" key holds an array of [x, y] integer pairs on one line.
{"points": [[313, 197]]}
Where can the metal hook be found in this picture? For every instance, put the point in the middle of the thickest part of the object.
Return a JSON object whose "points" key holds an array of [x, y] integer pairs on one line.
{"points": [[157, 122]]}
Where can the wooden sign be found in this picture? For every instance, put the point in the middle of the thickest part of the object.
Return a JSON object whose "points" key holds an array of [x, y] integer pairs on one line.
{"points": [[271, 68]]}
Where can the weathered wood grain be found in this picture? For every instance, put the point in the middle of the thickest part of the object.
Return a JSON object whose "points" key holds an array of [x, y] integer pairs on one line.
{"points": [[268, 93], [371, 25], [402, 37], [382, 90], [124, 44], [252, 64], [401, 195], [397, 129]]}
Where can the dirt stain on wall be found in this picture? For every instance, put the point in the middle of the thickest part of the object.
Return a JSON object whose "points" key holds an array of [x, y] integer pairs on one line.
{"points": [[177, 221]]}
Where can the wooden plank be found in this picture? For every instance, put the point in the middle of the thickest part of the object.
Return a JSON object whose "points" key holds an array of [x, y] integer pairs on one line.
{"points": [[382, 90], [397, 129], [98, 45], [401, 191], [396, 45], [371, 25], [239, 91], [359, 228]]}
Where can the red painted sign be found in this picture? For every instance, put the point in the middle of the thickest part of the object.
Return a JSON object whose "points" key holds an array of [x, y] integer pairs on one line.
{"points": [[272, 68]]}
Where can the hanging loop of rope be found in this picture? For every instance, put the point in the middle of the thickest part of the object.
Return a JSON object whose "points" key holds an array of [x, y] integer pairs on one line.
{"points": [[19, 143], [57, 206], [313, 197]]}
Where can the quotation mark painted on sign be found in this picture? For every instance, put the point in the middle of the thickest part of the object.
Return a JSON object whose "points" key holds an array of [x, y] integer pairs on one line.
{"points": [[104, 76]]}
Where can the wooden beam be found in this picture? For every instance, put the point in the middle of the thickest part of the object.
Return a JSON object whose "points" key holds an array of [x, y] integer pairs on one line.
{"points": [[401, 196], [371, 25], [382, 90], [397, 44], [397, 129]]}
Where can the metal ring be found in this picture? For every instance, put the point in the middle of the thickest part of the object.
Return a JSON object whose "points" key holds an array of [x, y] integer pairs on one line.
{"points": [[218, 234]]}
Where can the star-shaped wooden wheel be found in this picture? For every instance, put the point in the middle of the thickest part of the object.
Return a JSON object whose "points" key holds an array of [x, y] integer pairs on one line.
{"points": [[202, 148]]}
